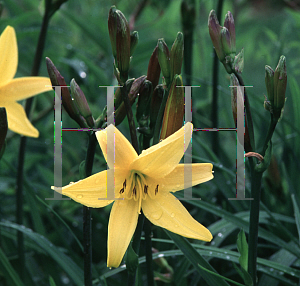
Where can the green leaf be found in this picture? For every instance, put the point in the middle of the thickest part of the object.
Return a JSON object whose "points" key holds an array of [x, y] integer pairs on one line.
{"points": [[197, 260], [297, 214], [8, 270], [66, 263], [51, 281], [218, 275], [242, 247]]}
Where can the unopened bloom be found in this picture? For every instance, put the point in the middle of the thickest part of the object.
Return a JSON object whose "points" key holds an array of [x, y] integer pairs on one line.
{"points": [[14, 89], [145, 182]]}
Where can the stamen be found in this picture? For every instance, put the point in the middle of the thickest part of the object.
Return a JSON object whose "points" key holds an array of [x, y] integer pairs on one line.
{"points": [[121, 191], [156, 189], [145, 189], [134, 191], [124, 184]]}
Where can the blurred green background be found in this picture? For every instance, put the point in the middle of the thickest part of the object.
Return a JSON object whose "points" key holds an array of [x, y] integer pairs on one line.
{"points": [[78, 44]]}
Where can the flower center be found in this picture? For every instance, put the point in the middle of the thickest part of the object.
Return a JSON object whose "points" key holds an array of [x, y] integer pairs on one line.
{"points": [[135, 187]]}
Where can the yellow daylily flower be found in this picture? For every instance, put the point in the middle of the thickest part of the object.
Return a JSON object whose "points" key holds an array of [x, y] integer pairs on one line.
{"points": [[142, 182], [14, 89]]}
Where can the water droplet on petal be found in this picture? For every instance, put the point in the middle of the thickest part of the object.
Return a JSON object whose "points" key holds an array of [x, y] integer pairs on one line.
{"points": [[157, 215], [79, 196], [172, 215]]}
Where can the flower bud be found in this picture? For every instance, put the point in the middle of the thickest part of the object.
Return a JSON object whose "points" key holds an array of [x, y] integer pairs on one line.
{"points": [[58, 80], [82, 103], [229, 24], [142, 109], [176, 55], [153, 72], [226, 42], [133, 86], [174, 110], [164, 60], [155, 104], [3, 129], [269, 80], [119, 34], [280, 82], [134, 39], [215, 34]]}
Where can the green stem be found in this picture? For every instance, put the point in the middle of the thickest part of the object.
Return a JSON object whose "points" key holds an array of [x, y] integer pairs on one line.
{"points": [[256, 178], [248, 114], [160, 117], [215, 82], [149, 260], [134, 140], [136, 246], [23, 140], [87, 217], [271, 130]]}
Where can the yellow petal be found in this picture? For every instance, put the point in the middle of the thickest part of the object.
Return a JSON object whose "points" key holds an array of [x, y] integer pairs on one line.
{"points": [[122, 224], [18, 121], [167, 212], [91, 191], [8, 55], [160, 159], [122, 152], [24, 87], [174, 181]]}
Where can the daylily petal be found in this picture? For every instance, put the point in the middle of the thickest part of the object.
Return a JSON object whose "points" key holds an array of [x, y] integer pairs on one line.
{"points": [[8, 55], [120, 147], [167, 212], [18, 121], [91, 191], [24, 87], [122, 223], [173, 182], [161, 159]]}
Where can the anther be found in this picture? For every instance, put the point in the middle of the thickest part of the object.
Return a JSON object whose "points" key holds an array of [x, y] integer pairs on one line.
{"points": [[156, 189], [121, 191], [134, 190], [145, 189], [124, 184]]}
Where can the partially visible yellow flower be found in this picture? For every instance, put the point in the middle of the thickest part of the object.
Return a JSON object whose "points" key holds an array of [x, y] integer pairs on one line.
{"points": [[142, 182], [12, 90]]}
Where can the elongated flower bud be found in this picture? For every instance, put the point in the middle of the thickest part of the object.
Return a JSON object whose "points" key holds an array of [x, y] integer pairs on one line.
{"points": [[229, 24], [174, 110], [82, 103], [164, 59], [155, 104], [142, 109], [215, 34], [176, 55], [280, 82], [119, 34], [153, 72], [134, 39], [58, 80], [269, 80]]}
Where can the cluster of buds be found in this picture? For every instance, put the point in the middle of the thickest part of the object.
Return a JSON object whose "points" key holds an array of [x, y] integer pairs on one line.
{"points": [[77, 106], [276, 86], [123, 44], [170, 61], [223, 39], [3, 129]]}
